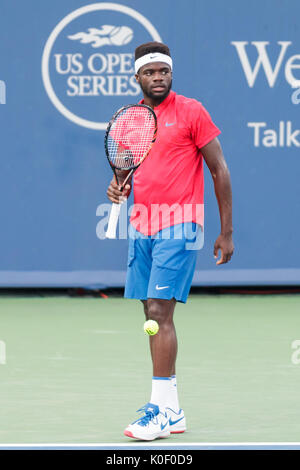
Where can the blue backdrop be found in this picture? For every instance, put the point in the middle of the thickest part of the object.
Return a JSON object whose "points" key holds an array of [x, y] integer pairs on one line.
{"points": [[67, 66]]}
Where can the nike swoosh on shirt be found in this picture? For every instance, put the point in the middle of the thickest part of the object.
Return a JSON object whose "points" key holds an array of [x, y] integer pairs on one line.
{"points": [[169, 124], [174, 422], [160, 288]]}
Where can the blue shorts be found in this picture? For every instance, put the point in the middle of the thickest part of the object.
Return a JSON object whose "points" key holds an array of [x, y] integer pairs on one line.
{"points": [[162, 266]]}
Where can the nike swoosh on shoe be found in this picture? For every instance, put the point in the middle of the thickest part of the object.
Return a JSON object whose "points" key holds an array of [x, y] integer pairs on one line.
{"points": [[174, 422], [162, 426]]}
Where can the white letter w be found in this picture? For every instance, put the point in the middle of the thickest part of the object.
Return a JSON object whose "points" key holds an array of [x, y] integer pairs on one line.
{"points": [[262, 59]]}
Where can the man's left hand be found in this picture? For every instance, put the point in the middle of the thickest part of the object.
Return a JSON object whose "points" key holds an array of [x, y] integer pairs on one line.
{"points": [[225, 244]]}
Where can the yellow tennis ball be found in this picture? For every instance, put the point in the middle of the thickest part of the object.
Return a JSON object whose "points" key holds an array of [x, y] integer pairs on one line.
{"points": [[151, 327]]}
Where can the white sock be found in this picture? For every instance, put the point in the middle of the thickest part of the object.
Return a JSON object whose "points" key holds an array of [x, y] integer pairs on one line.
{"points": [[173, 402], [160, 391]]}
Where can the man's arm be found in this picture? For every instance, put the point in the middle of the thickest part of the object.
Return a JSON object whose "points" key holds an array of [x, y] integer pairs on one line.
{"points": [[214, 158]]}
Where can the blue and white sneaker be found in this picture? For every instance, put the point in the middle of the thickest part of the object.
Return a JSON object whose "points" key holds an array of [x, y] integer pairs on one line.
{"points": [[152, 425], [177, 421]]}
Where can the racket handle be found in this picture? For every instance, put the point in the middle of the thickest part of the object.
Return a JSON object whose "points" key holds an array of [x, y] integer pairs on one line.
{"points": [[111, 231]]}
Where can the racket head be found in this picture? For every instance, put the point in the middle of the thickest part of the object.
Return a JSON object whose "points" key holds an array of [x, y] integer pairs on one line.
{"points": [[129, 137]]}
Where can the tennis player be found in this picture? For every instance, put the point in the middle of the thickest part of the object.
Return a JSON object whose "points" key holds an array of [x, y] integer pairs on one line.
{"points": [[166, 225]]}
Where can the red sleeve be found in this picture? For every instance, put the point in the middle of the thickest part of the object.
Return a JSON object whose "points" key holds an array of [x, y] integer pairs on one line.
{"points": [[203, 130]]}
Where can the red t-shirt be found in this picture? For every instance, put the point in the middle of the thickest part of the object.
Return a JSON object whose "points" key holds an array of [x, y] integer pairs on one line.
{"points": [[169, 185]]}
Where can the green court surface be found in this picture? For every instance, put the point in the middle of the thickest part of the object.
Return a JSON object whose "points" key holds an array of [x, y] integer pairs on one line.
{"points": [[77, 369]]}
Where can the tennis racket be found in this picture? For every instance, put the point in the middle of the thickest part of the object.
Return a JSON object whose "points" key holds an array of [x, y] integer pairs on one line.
{"points": [[129, 138]]}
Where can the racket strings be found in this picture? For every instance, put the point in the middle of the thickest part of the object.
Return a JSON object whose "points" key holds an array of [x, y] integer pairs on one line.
{"points": [[130, 137]]}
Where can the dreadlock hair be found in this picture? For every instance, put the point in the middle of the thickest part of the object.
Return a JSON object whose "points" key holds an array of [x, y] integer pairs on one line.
{"points": [[150, 47]]}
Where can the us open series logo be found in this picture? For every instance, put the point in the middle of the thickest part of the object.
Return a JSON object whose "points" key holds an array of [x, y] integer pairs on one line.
{"points": [[88, 60]]}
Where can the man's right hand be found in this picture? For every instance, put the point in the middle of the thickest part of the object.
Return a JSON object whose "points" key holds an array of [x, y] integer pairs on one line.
{"points": [[115, 195]]}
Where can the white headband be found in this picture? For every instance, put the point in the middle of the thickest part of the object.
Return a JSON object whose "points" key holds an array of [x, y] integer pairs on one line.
{"points": [[152, 57]]}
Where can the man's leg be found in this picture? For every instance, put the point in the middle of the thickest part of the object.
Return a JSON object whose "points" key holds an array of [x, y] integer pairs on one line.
{"points": [[163, 348], [170, 276], [163, 345]]}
